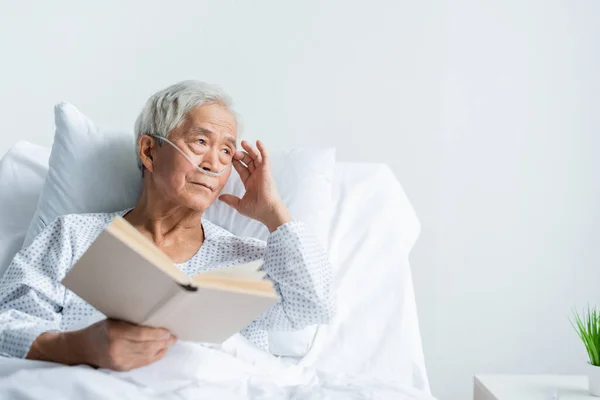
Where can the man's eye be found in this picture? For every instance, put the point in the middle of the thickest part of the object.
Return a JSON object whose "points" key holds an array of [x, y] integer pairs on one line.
{"points": [[201, 141], [227, 151]]}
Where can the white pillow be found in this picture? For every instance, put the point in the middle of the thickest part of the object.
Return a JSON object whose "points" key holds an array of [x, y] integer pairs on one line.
{"points": [[95, 170], [90, 170], [22, 173]]}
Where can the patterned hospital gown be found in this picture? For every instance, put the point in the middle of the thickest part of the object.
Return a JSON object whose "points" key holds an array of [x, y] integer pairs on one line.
{"points": [[33, 301]]}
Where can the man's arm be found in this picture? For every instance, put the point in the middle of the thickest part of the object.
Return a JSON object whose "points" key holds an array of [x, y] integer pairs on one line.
{"points": [[294, 258], [31, 308], [111, 344], [298, 265], [31, 297]]}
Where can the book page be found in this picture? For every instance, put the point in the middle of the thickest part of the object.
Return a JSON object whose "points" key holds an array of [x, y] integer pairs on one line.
{"points": [[210, 315], [118, 281], [262, 286]]}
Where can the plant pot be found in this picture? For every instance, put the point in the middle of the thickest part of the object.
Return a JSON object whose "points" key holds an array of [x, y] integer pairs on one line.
{"points": [[594, 379]]}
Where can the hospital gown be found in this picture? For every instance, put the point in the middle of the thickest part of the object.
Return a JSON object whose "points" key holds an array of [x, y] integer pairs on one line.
{"points": [[33, 301]]}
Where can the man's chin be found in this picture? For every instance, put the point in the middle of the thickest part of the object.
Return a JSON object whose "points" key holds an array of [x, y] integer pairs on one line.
{"points": [[198, 203]]}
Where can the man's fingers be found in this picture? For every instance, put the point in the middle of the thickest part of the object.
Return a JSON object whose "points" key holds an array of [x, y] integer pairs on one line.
{"points": [[143, 359], [239, 155], [147, 349], [137, 333], [161, 353], [150, 358], [144, 353], [252, 151], [230, 200], [263, 151], [244, 157], [241, 169]]}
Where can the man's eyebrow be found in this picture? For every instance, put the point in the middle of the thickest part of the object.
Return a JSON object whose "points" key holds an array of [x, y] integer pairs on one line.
{"points": [[232, 141], [208, 132], [199, 129]]}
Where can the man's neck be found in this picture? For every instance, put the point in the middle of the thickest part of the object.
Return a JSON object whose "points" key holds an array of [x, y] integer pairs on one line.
{"points": [[165, 223]]}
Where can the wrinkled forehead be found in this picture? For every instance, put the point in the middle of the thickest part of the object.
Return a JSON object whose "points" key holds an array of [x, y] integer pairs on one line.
{"points": [[210, 119]]}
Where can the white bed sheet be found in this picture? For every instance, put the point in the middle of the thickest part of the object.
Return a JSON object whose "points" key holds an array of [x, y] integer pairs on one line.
{"points": [[372, 349], [191, 371]]}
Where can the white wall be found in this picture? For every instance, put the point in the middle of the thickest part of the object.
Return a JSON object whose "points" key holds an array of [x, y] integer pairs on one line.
{"points": [[487, 113]]}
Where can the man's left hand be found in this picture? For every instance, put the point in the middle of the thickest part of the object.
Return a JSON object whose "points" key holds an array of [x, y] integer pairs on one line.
{"points": [[261, 200]]}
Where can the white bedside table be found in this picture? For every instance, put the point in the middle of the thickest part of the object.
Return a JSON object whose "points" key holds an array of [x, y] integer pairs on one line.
{"points": [[531, 387]]}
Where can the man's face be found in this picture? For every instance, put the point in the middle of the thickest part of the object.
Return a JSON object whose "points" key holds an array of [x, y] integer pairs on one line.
{"points": [[208, 136]]}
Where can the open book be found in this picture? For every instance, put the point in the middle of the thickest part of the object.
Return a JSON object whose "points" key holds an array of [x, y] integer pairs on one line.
{"points": [[125, 276]]}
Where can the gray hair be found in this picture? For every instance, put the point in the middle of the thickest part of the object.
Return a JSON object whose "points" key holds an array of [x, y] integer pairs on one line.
{"points": [[167, 109]]}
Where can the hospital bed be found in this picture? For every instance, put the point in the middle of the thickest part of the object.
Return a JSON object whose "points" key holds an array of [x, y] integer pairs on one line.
{"points": [[372, 348]]}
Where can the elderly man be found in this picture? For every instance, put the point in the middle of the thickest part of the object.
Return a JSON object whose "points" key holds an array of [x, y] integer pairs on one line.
{"points": [[186, 143]]}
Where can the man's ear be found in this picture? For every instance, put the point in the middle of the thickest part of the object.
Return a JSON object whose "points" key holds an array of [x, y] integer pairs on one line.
{"points": [[146, 146]]}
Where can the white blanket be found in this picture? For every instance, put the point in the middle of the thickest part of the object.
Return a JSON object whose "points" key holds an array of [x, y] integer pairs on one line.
{"points": [[191, 371]]}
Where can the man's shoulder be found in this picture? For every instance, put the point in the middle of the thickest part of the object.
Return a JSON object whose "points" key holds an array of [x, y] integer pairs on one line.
{"points": [[69, 235], [84, 228], [86, 221]]}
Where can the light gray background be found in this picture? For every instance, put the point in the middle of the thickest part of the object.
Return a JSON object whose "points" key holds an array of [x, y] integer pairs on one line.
{"points": [[488, 113]]}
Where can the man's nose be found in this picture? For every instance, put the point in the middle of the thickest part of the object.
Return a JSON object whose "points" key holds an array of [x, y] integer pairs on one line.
{"points": [[210, 160]]}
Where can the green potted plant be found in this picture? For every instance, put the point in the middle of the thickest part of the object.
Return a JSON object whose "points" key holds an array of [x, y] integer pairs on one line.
{"points": [[587, 326]]}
